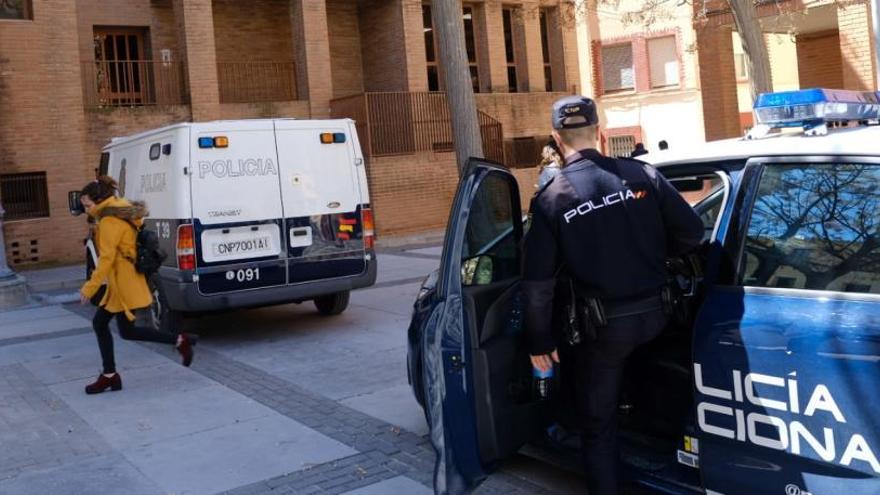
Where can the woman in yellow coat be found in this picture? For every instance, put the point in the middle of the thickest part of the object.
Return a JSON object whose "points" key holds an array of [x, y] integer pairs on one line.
{"points": [[127, 290]]}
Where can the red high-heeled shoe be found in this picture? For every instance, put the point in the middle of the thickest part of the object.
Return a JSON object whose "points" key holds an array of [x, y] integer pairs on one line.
{"points": [[114, 383]]}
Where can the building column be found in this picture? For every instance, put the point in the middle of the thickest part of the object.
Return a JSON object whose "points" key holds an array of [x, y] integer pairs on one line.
{"points": [[856, 49], [195, 23], [311, 41], [718, 82], [532, 37], [567, 25], [491, 46], [414, 45]]}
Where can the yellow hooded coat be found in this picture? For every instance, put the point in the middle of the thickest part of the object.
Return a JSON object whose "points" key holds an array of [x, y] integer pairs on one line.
{"points": [[115, 239]]}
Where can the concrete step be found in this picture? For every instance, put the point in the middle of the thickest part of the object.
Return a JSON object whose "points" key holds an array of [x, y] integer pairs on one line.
{"points": [[63, 278]]}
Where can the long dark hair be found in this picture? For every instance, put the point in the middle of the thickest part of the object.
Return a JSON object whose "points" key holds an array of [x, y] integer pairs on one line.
{"points": [[100, 189]]}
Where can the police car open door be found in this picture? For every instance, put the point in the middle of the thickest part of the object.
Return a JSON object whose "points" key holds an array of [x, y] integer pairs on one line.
{"points": [[787, 343], [476, 368]]}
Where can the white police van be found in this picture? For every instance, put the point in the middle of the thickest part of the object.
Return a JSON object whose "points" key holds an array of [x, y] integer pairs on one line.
{"points": [[766, 380], [250, 212]]}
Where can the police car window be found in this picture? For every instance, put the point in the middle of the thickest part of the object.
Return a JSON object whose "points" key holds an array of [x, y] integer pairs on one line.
{"points": [[490, 229], [815, 227], [706, 195]]}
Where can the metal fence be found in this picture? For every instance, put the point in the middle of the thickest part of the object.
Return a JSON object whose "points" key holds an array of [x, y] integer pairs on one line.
{"points": [[24, 195], [256, 82], [400, 123], [117, 83]]}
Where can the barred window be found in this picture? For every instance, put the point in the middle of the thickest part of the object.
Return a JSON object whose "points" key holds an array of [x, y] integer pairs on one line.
{"points": [[618, 73], [24, 195], [621, 146]]}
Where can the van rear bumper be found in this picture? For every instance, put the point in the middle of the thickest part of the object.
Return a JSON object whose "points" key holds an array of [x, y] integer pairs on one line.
{"points": [[183, 295]]}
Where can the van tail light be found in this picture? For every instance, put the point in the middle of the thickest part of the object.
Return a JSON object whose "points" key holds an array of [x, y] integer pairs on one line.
{"points": [[186, 248], [369, 233]]}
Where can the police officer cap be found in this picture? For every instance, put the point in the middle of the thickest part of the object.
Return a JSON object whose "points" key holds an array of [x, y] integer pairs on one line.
{"points": [[574, 111]]}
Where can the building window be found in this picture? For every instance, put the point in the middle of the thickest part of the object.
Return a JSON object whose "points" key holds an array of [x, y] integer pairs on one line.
{"points": [[470, 44], [618, 73], [510, 51], [24, 195], [663, 60], [545, 51], [121, 66], [741, 66], [430, 49], [621, 146], [19, 10]]}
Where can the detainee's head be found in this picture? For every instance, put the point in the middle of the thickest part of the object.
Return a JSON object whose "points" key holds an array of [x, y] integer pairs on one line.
{"points": [[97, 191], [575, 124]]}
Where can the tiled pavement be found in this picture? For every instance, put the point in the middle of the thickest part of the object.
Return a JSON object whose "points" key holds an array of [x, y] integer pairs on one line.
{"points": [[225, 424]]}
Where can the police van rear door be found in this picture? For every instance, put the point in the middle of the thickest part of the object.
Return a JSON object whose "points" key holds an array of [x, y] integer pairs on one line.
{"points": [[787, 342], [322, 199], [236, 204]]}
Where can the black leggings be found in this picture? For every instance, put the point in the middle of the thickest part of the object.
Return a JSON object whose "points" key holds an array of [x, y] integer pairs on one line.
{"points": [[127, 330]]}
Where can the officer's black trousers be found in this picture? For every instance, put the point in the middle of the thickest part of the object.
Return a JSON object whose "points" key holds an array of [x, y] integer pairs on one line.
{"points": [[599, 372]]}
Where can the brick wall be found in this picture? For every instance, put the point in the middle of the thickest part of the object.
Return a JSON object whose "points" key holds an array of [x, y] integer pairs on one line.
{"points": [[399, 185], [42, 123], [384, 55], [856, 50], [104, 124], [718, 79], [520, 114], [256, 30], [818, 60], [346, 64], [399, 189]]}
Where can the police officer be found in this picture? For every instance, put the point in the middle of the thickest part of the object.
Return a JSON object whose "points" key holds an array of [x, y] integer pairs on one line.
{"points": [[608, 224]]}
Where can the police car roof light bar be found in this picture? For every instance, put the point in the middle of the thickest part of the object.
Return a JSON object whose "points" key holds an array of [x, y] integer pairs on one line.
{"points": [[813, 108]]}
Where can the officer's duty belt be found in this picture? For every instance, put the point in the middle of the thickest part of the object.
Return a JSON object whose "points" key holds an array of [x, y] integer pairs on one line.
{"points": [[619, 309]]}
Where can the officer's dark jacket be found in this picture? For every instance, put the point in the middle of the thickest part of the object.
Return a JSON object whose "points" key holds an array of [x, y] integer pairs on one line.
{"points": [[611, 224]]}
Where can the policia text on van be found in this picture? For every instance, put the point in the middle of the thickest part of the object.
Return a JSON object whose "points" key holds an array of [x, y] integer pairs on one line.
{"points": [[251, 212]]}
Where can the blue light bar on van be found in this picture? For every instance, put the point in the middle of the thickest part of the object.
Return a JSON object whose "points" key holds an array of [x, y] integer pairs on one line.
{"points": [[206, 142], [813, 107], [338, 137]]}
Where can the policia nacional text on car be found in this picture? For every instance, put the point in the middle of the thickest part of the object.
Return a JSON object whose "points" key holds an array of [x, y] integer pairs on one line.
{"points": [[607, 225]]}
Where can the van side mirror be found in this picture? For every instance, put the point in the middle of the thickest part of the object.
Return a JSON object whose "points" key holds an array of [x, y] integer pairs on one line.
{"points": [[477, 270], [75, 205]]}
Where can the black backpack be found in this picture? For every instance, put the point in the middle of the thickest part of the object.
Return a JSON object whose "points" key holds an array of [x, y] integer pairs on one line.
{"points": [[149, 256]]}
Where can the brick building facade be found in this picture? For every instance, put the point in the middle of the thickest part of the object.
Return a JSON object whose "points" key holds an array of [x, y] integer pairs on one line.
{"points": [[74, 73], [696, 87]]}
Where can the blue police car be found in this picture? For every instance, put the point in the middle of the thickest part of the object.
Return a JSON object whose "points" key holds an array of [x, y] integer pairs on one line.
{"points": [[768, 379]]}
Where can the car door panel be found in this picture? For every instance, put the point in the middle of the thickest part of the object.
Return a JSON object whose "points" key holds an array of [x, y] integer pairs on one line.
{"points": [[786, 362], [471, 347]]}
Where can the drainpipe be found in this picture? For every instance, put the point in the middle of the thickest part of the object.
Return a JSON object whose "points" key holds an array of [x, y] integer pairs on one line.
{"points": [[875, 28]]}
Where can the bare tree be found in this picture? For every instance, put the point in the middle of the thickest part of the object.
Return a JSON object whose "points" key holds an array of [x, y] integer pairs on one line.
{"points": [[748, 26], [447, 17]]}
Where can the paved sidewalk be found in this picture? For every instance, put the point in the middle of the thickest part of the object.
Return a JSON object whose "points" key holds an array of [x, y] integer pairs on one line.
{"points": [[278, 400]]}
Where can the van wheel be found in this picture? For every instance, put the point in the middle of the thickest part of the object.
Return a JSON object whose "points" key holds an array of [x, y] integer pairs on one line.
{"points": [[332, 304]]}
